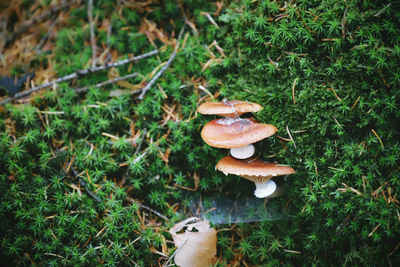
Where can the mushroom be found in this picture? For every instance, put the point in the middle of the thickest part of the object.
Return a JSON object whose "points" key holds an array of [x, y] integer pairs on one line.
{"points": [[258, 171], [243, 152], [232, 108], [237, 134]]}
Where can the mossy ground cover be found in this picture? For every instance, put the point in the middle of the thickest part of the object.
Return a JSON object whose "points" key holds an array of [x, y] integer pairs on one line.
{"points": [[78, 169]]}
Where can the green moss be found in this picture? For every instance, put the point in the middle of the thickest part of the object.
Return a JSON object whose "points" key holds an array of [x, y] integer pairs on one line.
{"points": [[325, 71]]}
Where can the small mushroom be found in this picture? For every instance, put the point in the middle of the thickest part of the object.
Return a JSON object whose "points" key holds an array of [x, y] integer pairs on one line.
{"points": [[232, 108], [236, 133], [266, 189], [258, 171]]}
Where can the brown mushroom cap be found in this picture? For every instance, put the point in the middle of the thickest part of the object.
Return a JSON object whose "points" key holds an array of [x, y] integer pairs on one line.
{"points": [[235, 132], [257, 171], [228, 108]]}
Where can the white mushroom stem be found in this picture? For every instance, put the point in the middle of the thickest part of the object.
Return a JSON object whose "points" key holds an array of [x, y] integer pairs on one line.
{"points": [[243, 152], [265, 189]]}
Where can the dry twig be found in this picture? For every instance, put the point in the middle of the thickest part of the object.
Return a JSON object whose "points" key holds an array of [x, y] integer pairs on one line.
{"points": [[173, 254], [208, 16], [294, 85], [131, 200], [77, 74], [47, 35], [25, 25], [343, 23], [83, 89], [83, 184], [163, 69], [92, 36], [291, 138], [337, 122]]}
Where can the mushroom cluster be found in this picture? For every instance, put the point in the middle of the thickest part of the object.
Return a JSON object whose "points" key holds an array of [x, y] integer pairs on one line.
{"points": [[239, 134]]}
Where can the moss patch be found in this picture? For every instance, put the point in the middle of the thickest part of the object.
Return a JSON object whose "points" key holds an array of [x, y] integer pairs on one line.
{"points": [[325, 72]]}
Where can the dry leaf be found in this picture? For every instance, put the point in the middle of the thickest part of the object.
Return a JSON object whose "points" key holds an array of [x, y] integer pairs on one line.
{"points": [[141, 6], [150, 29], [197, 245]]}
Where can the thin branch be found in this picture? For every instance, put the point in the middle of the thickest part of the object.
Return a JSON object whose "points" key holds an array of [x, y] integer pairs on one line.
{"points": [[3, 34], [344, 23], [83, 89], [374, 230], [294, 85], [139, 157], [176, 251], [131, 200], [291, 138], [47, 35], [144, 132], [292, 251], [108, 43], [55, 255], [395, 248], [83, 184], [163, 69], [77, 74], [336, 95], [382, 10], [337, 122], [92, 36], [209, 18], [90, 193], [25, 25]]}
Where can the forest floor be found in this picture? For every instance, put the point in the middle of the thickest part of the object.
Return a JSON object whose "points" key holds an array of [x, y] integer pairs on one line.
{"points": [[100, 143]]}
